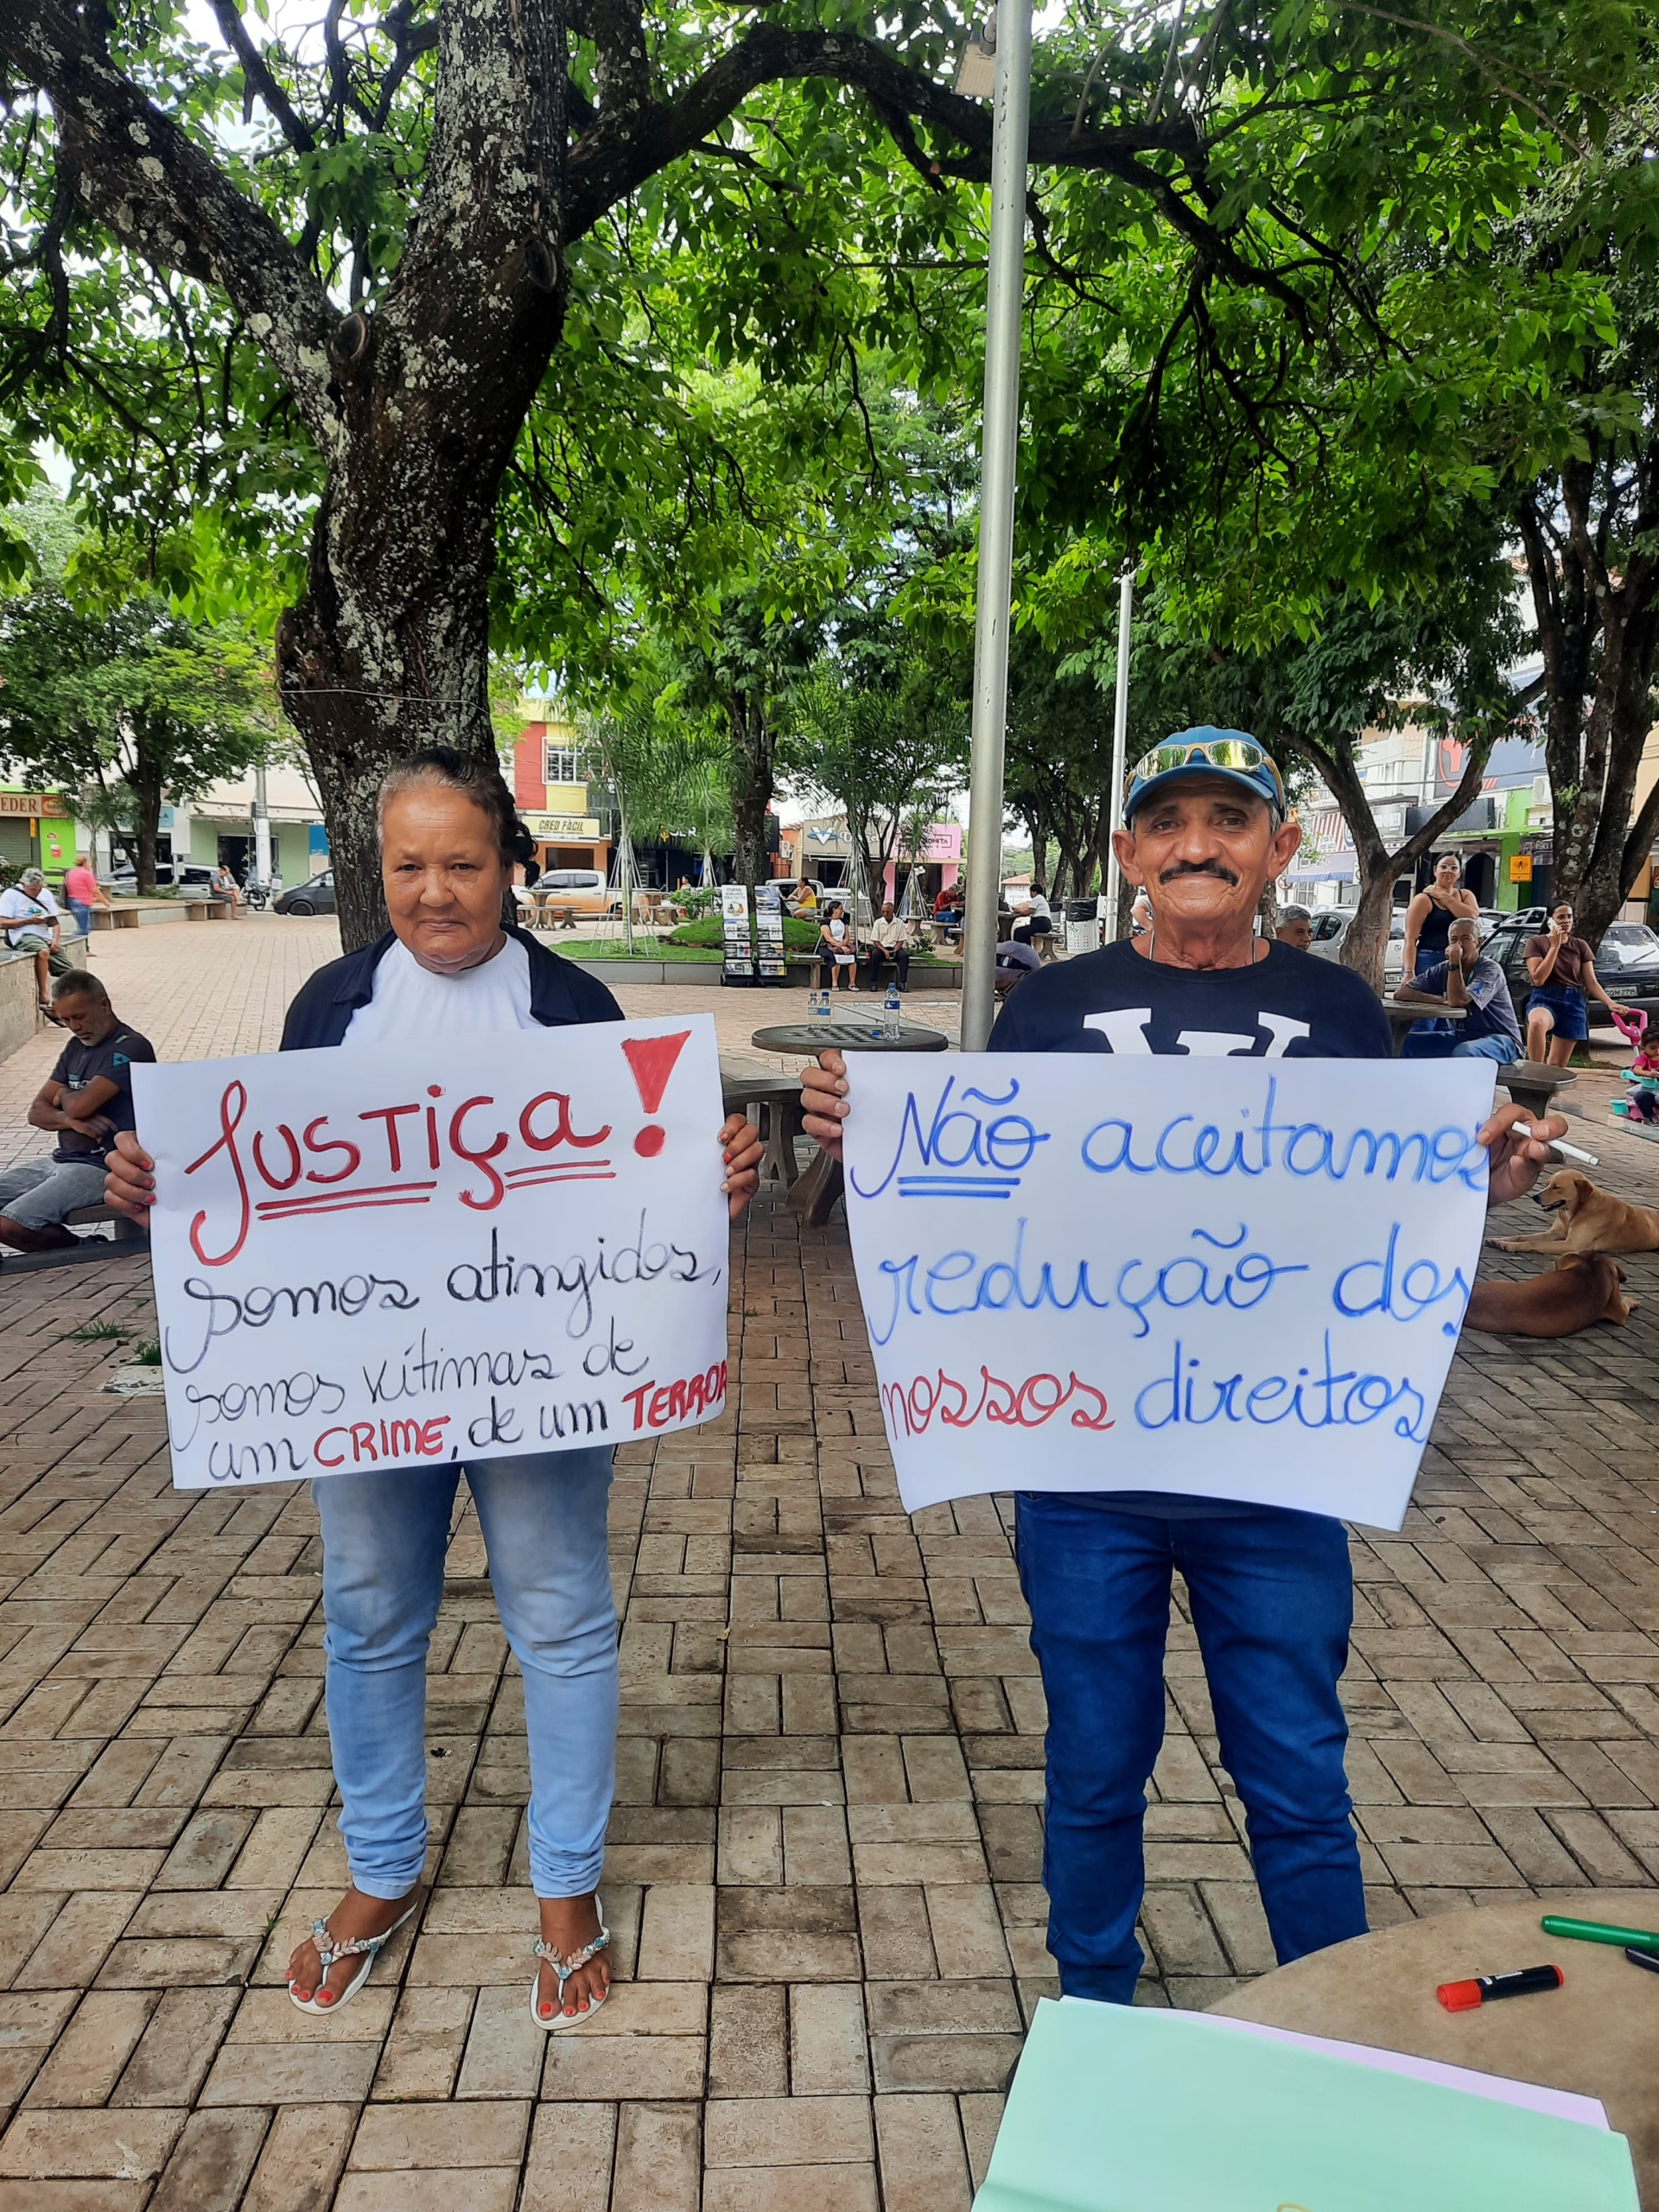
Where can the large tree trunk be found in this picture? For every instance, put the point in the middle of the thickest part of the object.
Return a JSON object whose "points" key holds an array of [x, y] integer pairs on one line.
{"points": [[1363, 947], [388, 650], [754, 755], [1599, 632], [147, 799]]}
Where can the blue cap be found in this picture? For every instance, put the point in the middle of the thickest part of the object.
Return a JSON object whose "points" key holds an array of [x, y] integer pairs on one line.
{"points": [[1232, 754]]}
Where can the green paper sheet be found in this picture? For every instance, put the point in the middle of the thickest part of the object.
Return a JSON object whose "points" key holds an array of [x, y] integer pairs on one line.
{"points": [[1116, 2108]]}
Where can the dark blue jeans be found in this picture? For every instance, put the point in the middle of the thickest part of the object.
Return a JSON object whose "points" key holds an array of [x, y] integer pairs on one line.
{"points": [[1272, 1598]]}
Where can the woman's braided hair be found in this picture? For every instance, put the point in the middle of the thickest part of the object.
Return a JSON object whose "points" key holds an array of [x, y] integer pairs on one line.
{"points": [[481, 781]]}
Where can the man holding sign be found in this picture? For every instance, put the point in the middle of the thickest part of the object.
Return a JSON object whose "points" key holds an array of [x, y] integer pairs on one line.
{"points": [[449, 978], [1270, 1588]]}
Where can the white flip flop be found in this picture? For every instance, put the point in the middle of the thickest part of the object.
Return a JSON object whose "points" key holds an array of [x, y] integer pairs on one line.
{"points": [[328, 1951], [563, 1968]]}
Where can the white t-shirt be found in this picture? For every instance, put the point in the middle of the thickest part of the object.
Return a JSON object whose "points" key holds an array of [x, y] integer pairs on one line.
{"points": [[23, 910], [411, 1002]]}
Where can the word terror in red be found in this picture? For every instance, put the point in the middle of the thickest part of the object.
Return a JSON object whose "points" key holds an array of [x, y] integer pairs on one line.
{"points": [[394, 1156], [912, 1407], [656, 1404]]}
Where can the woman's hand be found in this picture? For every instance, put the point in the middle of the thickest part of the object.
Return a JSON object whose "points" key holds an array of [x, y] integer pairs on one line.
{"points": [[130, 1180], [824, 1096], [740, 1147], [1513, 1163]]}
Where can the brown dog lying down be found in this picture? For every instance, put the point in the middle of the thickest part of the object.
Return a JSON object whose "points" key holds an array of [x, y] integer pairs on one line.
{"points": [[1586, 1220], [1580, 1291]]}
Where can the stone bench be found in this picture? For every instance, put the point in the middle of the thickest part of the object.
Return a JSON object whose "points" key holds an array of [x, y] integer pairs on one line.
{"points": [[777, 1099], [126, 1232]]}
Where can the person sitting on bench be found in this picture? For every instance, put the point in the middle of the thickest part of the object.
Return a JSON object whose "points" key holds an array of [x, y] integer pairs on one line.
{"points": [[1034, 922], [86, 1099], [29, 914], [889, 940]]}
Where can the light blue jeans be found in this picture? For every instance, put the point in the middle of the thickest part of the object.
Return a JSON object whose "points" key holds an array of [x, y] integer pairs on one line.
{"points": [[384, 1540]]}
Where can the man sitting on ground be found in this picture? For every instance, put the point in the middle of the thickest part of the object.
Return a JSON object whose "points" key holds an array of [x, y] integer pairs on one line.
{"points": [[29, 915], [889, 940], [1295, 928], [87, 1098], [1490, 1031]]}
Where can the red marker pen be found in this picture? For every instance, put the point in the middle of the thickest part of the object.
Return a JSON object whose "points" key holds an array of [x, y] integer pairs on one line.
{"points": [[1464, 1996]]}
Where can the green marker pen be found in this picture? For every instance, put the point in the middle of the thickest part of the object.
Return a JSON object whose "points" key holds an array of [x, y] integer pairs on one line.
{"points": [[1598, 1931]]}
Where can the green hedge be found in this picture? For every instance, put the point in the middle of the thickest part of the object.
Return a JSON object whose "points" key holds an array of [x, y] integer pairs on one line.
{"points": [[798, 936]]}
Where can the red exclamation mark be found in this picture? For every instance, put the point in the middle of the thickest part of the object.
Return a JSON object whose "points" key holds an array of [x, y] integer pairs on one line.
{"points": [[652, 1060]]}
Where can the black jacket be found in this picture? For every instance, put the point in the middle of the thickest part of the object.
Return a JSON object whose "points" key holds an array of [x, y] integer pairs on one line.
{"points": [[561, 993]]}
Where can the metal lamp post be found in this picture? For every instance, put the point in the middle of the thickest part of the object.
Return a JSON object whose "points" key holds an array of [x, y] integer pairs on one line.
{"points": [[999, 447], [1120, 748]]}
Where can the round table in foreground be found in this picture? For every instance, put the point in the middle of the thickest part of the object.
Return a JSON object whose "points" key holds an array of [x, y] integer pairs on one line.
{"points": [[1599, 2035], [809, 1039]]}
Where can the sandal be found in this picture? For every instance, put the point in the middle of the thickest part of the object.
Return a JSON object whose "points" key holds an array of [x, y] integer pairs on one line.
{"points": [[328, 1951], [564, 1968]]}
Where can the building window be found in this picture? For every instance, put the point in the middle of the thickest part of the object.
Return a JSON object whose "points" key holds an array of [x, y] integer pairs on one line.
{"points": [[564, 764]]}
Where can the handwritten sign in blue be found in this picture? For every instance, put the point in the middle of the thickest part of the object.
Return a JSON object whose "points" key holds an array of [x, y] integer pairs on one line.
{"points": [[1236, 1278]]}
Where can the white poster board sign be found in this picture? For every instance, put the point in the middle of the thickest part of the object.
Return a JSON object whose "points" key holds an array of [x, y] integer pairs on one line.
{"points": [[1229, 1277], [472, 1250]]}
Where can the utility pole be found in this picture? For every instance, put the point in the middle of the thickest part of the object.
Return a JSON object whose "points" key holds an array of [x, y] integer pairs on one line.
{"points": [[261, 829], [999, 453], [1119, 750]]}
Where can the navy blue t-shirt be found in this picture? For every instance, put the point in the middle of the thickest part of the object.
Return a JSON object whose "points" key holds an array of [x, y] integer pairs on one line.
{"points": [[111, 1057], [1288, 1006]]}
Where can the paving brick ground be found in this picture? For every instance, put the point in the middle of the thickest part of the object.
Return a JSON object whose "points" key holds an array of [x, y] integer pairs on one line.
{"points": [[823, 1872]]}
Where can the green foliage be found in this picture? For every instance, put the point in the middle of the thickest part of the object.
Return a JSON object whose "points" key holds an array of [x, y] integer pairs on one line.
{"points": [[799, 936], [117, 703]]}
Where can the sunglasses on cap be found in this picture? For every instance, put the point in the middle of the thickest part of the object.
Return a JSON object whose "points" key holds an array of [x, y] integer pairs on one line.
{"points": [[1229, 754]]}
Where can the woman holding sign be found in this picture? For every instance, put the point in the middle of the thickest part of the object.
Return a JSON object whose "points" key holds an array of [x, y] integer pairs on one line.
{"points": [[448, 971], [1271, 1590]]}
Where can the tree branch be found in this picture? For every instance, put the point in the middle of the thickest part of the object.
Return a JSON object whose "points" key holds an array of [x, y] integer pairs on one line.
{"points": [[167, 200], [259, 78], [616, 157]]}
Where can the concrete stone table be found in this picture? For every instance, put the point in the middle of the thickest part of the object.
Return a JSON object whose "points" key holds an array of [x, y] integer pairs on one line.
{"points": [[1404, 1014], [1599, 2035]]}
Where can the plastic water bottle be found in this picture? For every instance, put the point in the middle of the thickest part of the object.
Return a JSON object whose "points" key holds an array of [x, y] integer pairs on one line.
{"points": [[890, 1011], [820, 1008]]}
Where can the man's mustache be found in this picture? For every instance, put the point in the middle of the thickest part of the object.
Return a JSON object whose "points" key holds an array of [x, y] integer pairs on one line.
{"points": [[1197, 867]]}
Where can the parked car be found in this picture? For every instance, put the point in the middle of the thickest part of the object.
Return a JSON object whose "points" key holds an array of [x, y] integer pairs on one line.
{"points": [[584, 890], [316, 897], [1331, 927], [188, 876], [1627, 962]]}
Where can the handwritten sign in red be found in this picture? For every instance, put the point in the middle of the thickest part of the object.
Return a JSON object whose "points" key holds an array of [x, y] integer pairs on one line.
{"points": [[368, 1259]]}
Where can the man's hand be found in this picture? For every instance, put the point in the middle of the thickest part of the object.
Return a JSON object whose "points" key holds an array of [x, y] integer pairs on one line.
{"points": [[740, 1146], [1513, 1163], [823, 1096], [130, 1180]]}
